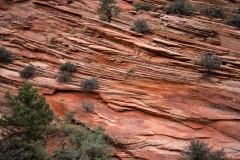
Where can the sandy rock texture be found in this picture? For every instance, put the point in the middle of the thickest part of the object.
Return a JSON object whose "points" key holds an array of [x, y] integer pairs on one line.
{"points": [[150, 113]]}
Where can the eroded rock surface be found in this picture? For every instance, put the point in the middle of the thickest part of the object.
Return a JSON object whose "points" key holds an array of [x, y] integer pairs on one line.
{"points": [[151, 113]]}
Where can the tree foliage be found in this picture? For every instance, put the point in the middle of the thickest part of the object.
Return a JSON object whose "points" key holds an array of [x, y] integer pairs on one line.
{"points": [[30, 114], [180, 7], [108, 9], [27, 72]]}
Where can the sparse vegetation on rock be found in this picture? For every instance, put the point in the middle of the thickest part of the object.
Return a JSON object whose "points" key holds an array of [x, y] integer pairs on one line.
{"points": [[199, 150], [6, 56], [27, 72], [140, 26], [88, 85], [234, 21], [179, 7], [213, 12], [107, 9]]}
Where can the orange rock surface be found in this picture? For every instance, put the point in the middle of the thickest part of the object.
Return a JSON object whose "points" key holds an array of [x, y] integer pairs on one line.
{"points": [[151, 113]]}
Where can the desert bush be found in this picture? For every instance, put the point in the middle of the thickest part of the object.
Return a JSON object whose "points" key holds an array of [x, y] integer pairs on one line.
{"points": [[88, 85], [107, 9], [199, 150], [196, 150], [27, 72], [6, 56], [141, 26], [213, 12], [88, 106], [68, 67], [142, 6], [64, 77], [234, 21], [19, 150], [180, 7], [210, 62]]}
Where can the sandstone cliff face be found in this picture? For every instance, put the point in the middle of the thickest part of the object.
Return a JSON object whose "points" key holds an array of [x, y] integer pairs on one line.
{"points": [[148, 114]]}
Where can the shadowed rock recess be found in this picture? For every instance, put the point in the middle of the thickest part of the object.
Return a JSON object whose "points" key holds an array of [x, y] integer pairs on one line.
{"points": [[150, 112]]}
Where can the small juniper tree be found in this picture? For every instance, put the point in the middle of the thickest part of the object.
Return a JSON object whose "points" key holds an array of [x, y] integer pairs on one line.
{"points": [[30, 114], [108, 9], [210, 62]]}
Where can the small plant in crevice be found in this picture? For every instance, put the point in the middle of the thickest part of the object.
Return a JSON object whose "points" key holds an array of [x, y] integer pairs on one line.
{"points": [[64, 77], [27, 72], [6, 56], [213, 12], [199, 150], [179, 7], [52, 38], [87, 85], [68, 67], [132, 68], [88, 106], [85, 28], [234, 21], [210, 62], [140, 26]]}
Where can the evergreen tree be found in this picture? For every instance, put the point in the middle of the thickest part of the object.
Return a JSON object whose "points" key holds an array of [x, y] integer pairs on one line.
{"points": [[30, 114], [107, 9]]}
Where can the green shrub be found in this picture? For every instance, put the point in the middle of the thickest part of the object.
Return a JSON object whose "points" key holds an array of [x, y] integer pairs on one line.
{"points": [[88, 106], [143, 6], [64, 77], [88, 85], [213, 12], [30, 115], [141, 26], [180, 7], [234, 21], [68, 67], [27, 72], [210, 62], [20, 150], [6, 56], [107, 9], [198, 150]]}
